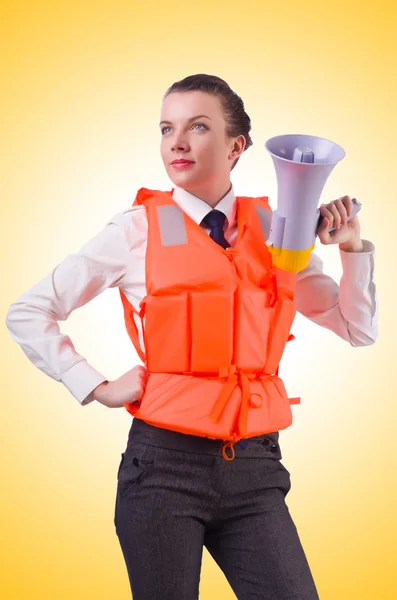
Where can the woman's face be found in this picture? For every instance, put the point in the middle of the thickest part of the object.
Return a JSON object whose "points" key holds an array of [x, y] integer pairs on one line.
{"points": [[201, 139]]}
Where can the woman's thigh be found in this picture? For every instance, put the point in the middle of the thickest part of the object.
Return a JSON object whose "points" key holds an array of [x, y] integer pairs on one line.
{"points": [[162, 506], [256, 544]]}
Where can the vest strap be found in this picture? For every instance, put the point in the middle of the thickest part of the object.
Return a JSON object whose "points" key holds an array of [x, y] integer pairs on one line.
{"points": [[234, 378], [294, 400], [132, 329], [291, 400]]}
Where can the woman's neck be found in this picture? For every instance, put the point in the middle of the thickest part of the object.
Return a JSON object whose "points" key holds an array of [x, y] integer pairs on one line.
{"points": [[211, 196]]}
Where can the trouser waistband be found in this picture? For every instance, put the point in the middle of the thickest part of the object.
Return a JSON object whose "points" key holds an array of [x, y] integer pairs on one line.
{"points": [[146, 433]]}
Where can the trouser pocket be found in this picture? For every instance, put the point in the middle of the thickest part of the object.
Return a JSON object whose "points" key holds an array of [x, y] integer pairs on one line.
{"points": [[134, 465]]}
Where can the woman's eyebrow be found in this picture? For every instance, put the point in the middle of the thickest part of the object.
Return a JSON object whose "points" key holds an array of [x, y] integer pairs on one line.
{"points": [[191, 119]]}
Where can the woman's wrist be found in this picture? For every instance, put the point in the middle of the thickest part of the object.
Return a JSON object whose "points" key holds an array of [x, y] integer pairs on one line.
{"points": [[102, 391], [354, 245]]}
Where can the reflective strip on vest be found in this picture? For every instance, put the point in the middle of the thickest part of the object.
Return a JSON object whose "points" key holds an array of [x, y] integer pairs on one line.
{"points": [[173, 230], [265, 219], [172, 225]]}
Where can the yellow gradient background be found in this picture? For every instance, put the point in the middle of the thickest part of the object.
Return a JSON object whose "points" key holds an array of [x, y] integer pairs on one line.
{"points": [[81, 88]]}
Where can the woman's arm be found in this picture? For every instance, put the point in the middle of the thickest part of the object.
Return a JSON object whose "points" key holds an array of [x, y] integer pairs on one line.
{"points": [[32, 320], [349, 309]]}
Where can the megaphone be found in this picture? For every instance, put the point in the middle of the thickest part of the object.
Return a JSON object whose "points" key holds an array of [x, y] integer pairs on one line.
{"points": [[303, 164]]}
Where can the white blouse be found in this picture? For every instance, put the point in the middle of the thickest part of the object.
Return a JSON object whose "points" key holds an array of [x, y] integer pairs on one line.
{"points": [[116, 257]]}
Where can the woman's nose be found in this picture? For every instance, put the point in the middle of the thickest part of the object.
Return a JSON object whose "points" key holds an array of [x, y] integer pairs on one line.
{"points": [[179, 145], [178, 142]]}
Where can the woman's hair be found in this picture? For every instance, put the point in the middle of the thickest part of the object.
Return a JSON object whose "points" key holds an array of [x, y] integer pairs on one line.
{"points": [[237, 120]]}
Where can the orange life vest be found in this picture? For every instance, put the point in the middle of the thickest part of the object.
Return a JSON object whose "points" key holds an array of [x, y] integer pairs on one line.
{"points": [[215, 324]]}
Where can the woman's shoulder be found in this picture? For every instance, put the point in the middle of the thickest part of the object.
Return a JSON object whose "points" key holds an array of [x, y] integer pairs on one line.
{"points": [[128, 214], [132, 220], [135, 214]]}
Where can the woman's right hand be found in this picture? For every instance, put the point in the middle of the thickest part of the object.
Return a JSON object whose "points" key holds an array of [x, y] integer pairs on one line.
{"points": [[126, 389]]}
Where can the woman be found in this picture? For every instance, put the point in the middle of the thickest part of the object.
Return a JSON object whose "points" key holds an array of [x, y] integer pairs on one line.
{"points": [[193, 304]]}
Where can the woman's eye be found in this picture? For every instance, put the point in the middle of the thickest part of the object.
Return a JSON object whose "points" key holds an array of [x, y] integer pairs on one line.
{"points": [[195, 125]]}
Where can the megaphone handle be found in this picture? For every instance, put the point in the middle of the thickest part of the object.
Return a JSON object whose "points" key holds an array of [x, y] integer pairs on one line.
{"points": [[356, 209]]}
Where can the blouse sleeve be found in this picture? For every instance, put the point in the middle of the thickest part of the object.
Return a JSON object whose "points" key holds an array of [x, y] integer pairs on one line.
{"points": [[32, 320], [349, 309]]}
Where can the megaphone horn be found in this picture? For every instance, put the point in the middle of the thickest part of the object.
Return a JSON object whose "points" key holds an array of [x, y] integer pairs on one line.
{"points": [[303, 164]]}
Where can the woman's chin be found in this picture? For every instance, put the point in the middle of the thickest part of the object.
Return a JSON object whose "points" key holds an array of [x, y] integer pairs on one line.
{"points": [[184, 177]]}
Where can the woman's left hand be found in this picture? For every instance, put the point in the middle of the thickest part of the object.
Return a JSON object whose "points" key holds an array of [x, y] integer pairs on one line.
{"points": [[335, 214]]}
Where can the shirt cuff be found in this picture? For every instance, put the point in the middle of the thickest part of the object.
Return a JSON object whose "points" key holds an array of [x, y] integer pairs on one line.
{"points": [[81, 380], [368, 248], [359, 265]]}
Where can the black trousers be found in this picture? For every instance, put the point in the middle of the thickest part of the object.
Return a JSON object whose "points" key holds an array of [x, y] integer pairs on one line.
{"points": [[176, 493]]}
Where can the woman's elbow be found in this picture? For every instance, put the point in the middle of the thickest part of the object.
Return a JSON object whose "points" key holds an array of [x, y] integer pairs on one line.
{"points": [[10, 317], [364, 339], [17, 318]]}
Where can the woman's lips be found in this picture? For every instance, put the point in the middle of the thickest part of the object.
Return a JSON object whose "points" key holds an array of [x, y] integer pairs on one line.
{"points": [[183, 165]]}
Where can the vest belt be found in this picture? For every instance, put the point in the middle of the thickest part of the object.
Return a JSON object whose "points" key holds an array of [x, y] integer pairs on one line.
{"points": [[234, 378]]}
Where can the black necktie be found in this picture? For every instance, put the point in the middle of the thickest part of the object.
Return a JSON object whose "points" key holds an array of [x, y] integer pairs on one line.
{"points": [[215, 221]]}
